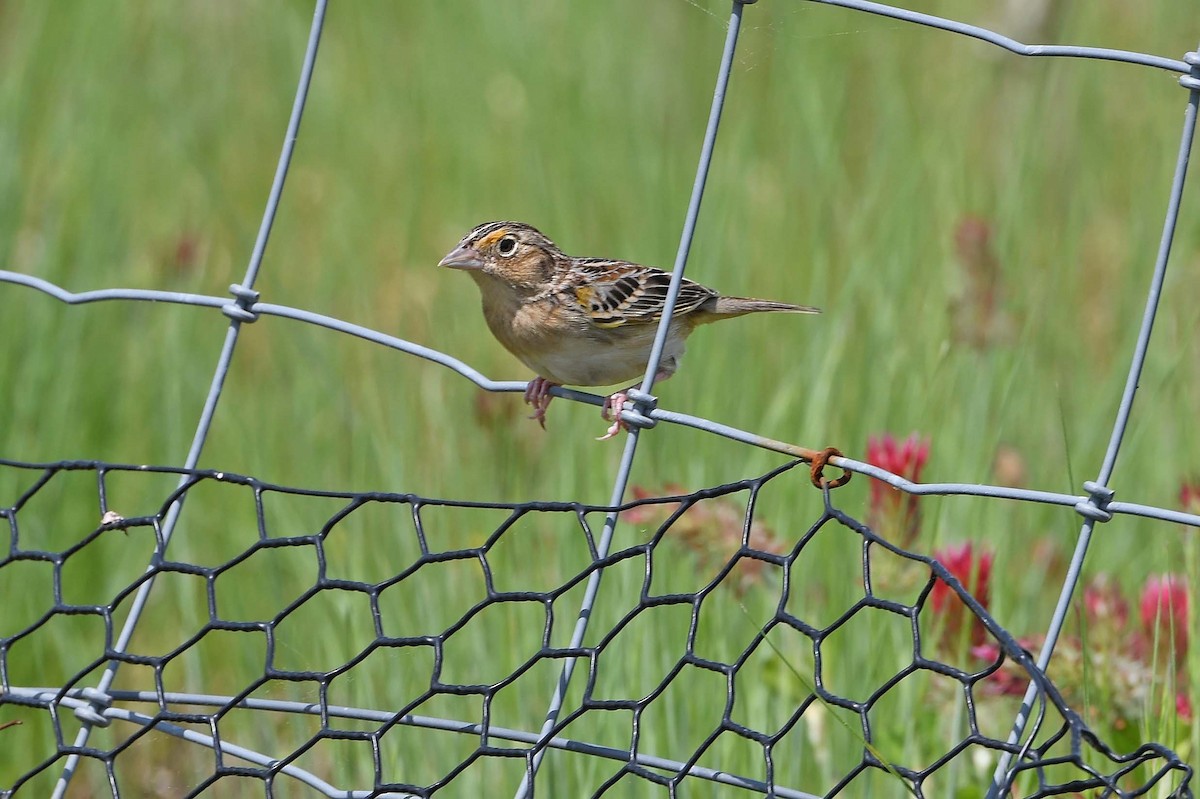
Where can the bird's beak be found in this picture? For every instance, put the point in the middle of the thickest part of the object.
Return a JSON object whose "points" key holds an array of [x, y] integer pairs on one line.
{"points": [[463, 258]]}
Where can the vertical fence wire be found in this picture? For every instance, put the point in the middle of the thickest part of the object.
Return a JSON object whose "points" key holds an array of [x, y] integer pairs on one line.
{"points": [[641, 398], [238, 312], [1093, 509]]}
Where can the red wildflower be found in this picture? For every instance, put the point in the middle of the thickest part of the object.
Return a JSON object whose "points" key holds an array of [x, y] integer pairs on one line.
{"points": [[1183, 707], [974, 570], [1010, 679], [651, 512], [1104, 605], [711, 529], [1135, 663], [1164, 609], [892, 511], [1189, 496]]}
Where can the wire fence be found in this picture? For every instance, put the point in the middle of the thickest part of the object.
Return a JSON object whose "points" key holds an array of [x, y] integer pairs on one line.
{"points": [[1043, 749]]}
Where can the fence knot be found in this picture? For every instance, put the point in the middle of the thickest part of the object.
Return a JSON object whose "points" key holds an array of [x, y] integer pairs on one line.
{"points": [[243, 300], [93, 712], [817, 469], [639, 415], [1096, 506], [1191, 82]]}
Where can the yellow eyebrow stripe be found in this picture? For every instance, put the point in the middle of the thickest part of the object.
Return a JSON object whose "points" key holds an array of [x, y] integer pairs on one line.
{"points": [[493, 237]]}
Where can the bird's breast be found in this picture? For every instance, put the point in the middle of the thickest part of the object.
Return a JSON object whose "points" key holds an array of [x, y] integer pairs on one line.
{"points": [[560, 344]]}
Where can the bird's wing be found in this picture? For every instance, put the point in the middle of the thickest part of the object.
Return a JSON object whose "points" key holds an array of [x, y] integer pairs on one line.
{"points": [[613, 293]]}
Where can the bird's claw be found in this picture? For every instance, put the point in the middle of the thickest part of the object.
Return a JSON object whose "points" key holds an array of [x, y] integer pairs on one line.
{"points": [[537, 394], [610, 411]]}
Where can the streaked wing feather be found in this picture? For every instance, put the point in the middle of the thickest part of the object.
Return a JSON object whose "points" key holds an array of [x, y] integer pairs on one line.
{"points": [[613, 293]]}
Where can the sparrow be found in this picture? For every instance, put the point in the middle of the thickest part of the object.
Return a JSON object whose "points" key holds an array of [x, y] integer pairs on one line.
{"points": [[584, 321]]}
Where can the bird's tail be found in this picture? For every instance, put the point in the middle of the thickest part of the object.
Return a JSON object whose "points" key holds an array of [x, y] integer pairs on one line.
{"points": [[736, 306]]}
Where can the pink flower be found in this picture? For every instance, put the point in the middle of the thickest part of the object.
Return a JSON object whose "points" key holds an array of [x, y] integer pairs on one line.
{"points": [[710, 529], [1189, 496], [1138, 664], [185, 250], [1164, 609], [1104, 605], [1183, 707], [1010, 679], [650, 512], [892, 511], [972, 569]]}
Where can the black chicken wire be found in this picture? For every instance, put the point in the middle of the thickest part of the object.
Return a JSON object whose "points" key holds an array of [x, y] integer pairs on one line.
{"points": [[1058, 755], [1032, 745]]}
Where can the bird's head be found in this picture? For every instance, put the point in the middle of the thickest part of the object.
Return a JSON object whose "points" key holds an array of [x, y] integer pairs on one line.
{"points": [[512, 252]]}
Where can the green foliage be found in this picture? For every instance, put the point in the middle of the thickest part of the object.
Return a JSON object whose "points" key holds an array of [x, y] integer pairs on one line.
{"points": [[137, 145]]}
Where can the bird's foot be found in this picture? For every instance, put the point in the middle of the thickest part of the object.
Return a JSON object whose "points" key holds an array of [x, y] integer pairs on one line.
{"points": [[611, 412], [537, 394]]}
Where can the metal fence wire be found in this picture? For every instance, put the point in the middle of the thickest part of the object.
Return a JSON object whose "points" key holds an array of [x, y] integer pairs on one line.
{"points": [[1033, 745]]}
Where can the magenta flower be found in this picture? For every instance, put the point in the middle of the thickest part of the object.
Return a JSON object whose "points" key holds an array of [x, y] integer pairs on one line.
{"points": [[1183, 707], [892, 511], [1010, 679], [1104, 605], [1189, 496], [1164, 609], [973, 569]]}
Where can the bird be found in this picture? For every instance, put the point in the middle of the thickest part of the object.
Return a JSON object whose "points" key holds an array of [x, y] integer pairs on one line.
{"points": [[584, 321]]}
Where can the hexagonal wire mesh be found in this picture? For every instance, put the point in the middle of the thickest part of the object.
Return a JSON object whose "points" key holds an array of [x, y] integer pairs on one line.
{"points": [[730, 644], [755, 703]]}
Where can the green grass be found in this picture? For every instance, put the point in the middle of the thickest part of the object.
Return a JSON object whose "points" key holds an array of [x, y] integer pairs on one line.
{"points": [[137, 147]]}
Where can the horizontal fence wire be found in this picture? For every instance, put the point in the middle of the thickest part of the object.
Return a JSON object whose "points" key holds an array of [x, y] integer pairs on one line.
{"points": [[1113, 507], [1045, 749]]}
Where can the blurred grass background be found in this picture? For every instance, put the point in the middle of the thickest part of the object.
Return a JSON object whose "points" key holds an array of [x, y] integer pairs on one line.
{"points": [[137, 145]]}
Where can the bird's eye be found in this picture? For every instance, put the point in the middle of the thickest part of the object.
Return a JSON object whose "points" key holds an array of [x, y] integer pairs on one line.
{"points": [[507, 246]]}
